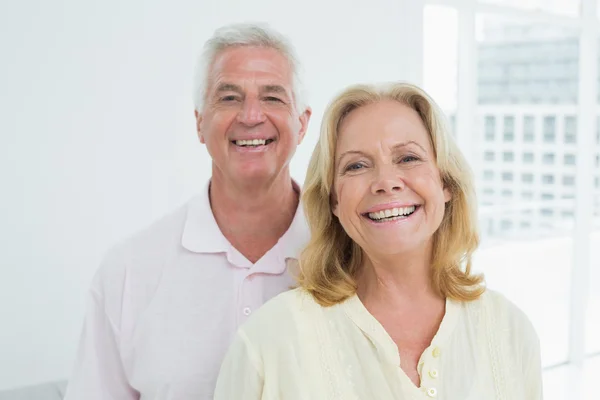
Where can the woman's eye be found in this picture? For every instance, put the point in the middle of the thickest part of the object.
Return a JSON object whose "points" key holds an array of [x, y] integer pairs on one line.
{"points": [[407, 159], [354, 167]]}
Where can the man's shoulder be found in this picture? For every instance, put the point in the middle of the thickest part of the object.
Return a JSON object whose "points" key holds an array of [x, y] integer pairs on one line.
{"points": [[161, 233], [145, 249]]}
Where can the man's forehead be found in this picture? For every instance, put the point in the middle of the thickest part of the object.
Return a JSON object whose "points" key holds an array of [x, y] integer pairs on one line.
{"points": [[225, 86], [257, 63]]}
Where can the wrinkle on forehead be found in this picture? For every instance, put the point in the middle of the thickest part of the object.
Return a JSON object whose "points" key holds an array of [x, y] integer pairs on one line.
{"points": [[394, 127], [252, 64]]}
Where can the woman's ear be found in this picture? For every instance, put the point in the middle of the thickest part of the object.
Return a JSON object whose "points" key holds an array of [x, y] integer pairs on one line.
{"points": [[333, 203], [447, 195]]}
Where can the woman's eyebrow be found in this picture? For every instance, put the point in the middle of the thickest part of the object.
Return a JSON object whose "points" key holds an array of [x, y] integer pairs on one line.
{"points": [[347, 153], [404, 144]]}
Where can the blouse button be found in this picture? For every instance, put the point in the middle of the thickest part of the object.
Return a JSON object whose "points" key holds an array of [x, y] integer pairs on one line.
{"points": [[247, 311], [433, 373], [436, 352], [431, 392]]}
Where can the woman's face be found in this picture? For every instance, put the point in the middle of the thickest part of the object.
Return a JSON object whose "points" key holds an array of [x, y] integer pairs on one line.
{"points": [[387, 192]]}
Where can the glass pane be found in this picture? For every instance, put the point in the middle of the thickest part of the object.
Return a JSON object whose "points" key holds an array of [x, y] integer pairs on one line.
{"points": [[593, 310], [440, 53], [561, 7], [527, 105]]}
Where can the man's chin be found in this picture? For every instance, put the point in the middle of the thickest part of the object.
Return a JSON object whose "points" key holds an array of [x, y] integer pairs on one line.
{"points": [[253, 174]]}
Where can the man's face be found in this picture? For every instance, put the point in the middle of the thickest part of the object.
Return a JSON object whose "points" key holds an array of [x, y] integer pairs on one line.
{"points": [[250, 124]]}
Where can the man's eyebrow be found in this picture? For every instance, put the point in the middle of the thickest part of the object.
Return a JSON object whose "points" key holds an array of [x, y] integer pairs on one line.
{"points": [[228, 87], [273, 89]]}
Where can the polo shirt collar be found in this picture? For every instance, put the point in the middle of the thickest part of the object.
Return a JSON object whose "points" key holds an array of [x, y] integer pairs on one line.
{"points": [[201, 233]]}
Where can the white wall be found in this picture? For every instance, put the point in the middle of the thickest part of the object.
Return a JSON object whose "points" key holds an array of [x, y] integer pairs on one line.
{"points": [[97, 136]]}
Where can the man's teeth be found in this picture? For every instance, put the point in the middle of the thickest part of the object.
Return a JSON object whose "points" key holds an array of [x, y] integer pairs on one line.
{"points": [[392, 212], [253, 142]]}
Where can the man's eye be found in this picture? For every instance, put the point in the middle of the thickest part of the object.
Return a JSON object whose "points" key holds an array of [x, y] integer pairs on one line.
{"points": [[274, 99], [229, 98]]}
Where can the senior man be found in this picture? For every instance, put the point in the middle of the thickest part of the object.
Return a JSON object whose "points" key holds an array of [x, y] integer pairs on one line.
{"points": [[164, 305]]}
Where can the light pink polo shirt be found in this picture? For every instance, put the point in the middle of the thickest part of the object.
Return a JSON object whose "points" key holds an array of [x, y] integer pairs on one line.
{"points": [[165, 304]]}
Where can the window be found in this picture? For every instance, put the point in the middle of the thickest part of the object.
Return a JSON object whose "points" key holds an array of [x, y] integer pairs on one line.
{"points": [[547, 212], [488, 175], [527, 78], [508, 156], [570, 159], [507, 193], [528, 158], [506, 224], [549, 129], [507, 176], [570, 129], [527, 178], [490, 128], [567, 213], [488, 191], [509, 128], [548, 158], [568, 180], [489, 156], [564, 8], [527, 195], [528, 129]]}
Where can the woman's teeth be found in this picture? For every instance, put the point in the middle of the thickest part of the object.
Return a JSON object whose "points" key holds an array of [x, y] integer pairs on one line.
{"points": [[392, 213]]}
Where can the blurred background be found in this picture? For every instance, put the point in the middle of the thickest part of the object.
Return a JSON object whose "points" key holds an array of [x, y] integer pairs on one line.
{"points": [[97, 140]]}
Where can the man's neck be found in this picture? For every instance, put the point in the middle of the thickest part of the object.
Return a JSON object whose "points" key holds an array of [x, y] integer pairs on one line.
{"points": [[252, 216]]}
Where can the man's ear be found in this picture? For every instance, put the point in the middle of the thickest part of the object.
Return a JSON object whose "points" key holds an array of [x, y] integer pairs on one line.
{"points": [[198, 123], [304, 119]]}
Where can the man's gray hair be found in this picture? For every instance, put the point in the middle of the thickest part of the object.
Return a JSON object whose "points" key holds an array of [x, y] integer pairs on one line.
{"points": [[237, 35]]}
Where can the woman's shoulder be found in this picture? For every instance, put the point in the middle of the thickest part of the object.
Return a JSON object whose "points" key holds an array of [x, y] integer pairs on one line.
{"points": [[296, 300], [282, 316], [506, 316]]}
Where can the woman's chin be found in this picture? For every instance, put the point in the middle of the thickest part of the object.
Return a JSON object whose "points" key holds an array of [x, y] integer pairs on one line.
{"points": [[385, 247]]}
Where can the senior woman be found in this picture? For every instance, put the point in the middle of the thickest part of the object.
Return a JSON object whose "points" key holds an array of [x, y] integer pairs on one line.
{"points": [[387, 306]]}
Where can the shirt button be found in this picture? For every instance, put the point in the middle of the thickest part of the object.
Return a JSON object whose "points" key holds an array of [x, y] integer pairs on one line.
{"points": [[247, 311], [431, 392], [433, 373], [436, 352]]}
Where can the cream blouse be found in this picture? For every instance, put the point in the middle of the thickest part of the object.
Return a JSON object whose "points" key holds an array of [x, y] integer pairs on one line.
{"points": [[292, 349]]}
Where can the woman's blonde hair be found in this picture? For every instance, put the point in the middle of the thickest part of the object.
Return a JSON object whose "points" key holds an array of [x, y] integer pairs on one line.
{"points": [[330, 262]]}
